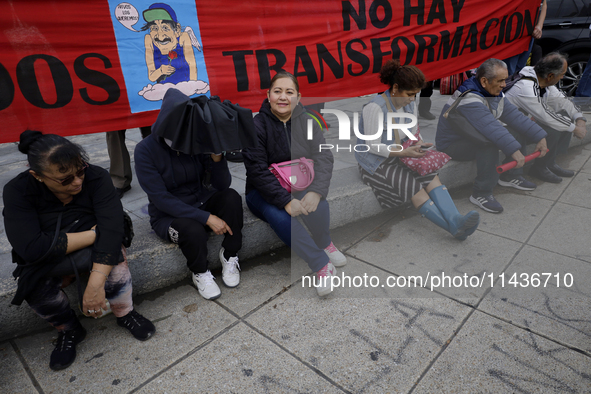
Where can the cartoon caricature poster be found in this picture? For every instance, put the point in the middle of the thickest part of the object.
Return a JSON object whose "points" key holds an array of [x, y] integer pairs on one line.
{"points": [[159, 48]]}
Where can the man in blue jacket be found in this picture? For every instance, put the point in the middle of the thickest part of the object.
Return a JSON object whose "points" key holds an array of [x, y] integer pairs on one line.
{"points": [[486, 109]]}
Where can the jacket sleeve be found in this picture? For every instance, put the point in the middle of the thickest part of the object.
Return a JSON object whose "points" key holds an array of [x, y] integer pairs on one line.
{"points": [[519, 122], [524, 97], [257, 169], [562, 105], [323, 163], [109, 219], [23, 228], [483, 120], [152, 183], [220, 174]]}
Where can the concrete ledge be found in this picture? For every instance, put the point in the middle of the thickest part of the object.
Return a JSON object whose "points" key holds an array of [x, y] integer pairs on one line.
{"points": [[155, 263]]}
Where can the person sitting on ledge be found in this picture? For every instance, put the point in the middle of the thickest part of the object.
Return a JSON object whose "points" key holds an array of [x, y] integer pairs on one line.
{"points": [[281, 131], [392, 182], [62, 212], [486, 109], [535, 94]]}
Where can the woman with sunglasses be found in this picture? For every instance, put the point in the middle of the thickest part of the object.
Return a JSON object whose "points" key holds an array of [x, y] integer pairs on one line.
{"points": [[63, 207]]}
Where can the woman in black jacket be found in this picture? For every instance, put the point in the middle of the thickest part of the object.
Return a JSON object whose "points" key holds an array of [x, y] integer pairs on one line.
{"points": [[63, 206], [281, 129]]}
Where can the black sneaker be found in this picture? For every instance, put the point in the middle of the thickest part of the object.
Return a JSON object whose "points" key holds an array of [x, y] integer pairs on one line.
{"points": [[561, 172], [64, 353], [122, 191], [140, 327], [518, 182], [544, 174]]}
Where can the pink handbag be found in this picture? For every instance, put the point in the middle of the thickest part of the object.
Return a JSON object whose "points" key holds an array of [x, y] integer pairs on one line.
{"points": [[432, 161], [295, 174]]}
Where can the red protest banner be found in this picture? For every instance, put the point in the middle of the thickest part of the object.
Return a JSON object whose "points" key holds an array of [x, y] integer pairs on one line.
{"points": [[83, 67]]}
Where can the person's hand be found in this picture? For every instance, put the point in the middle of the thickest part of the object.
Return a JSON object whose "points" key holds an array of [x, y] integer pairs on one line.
{"points": [[166, 69], [580, 131], [518, 157], [310, 201], [218, 225], [295, 208], [94, 296], [413, 151], [537, 33], [216, 158], [542, 147]]}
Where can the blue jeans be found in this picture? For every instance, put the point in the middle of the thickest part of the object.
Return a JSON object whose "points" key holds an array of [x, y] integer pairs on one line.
{"points": [[584, 88], [292, 232], [517, 62]]}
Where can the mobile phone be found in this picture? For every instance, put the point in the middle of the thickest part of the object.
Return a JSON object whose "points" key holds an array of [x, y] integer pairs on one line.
{"points": [[427, 147]]}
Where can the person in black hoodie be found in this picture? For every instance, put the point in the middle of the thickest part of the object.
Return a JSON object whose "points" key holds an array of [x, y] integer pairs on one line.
{"points": [[281, 129], [64, 209]]}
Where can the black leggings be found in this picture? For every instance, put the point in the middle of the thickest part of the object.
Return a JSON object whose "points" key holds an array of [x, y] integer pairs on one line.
{"points": [[191, 236]]}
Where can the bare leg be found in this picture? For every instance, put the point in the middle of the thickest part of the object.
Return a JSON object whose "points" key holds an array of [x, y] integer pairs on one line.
{"points": [[421, 197]]}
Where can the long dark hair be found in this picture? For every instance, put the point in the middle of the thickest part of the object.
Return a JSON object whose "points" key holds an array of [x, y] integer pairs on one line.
{"points": [[43, 150]]}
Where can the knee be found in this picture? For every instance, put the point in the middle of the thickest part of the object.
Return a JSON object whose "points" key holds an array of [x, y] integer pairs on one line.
{"points": [[231, 197]]}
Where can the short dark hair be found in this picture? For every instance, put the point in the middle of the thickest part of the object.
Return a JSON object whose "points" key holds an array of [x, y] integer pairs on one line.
{"points": [[406, 77], [43, 150], [552, 63], [285, 74]]}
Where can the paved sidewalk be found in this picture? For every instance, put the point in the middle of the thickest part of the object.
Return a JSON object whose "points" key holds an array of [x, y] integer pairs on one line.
{"points": [[270, 335]]}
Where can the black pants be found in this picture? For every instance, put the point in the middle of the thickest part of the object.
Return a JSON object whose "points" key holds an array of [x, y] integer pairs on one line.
{"points": [[557, 142], [191, 236]]}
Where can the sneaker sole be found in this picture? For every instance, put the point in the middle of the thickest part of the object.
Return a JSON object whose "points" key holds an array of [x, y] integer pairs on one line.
{"points": [[228, 286], [479, 205], [514, 186], [210, 298]]}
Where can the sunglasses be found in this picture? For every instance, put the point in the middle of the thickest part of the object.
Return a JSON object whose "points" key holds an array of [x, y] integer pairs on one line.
{"points": [[70, 178]]}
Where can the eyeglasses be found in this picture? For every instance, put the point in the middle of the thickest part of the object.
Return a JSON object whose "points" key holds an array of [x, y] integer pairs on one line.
{"points": [[70, 178]]}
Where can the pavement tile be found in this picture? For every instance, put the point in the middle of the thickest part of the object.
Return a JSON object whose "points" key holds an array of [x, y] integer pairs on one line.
{"points": [[578, 191], [240, 361], [359, 280], [346, 236], [587, 167], [13, 378], [424, 249], [560, 312], [261, 278], [110, 356], [519, 219], [575, 158], [565, 230], [490, 356], [371, 346]]}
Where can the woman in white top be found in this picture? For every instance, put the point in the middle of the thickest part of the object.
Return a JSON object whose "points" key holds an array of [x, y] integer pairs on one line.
{"points": [[392, 182]]}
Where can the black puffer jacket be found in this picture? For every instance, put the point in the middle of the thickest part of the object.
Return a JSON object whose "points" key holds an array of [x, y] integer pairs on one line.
{"points": [[277, 143]]}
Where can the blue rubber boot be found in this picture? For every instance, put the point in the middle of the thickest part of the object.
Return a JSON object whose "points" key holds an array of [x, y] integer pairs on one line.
{"points": [[460, 226], [430, 211]]}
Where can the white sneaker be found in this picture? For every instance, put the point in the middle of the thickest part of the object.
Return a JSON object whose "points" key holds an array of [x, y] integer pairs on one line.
{"points": [[336, 258], [230, 270], [206, 285], [324, 275]]}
